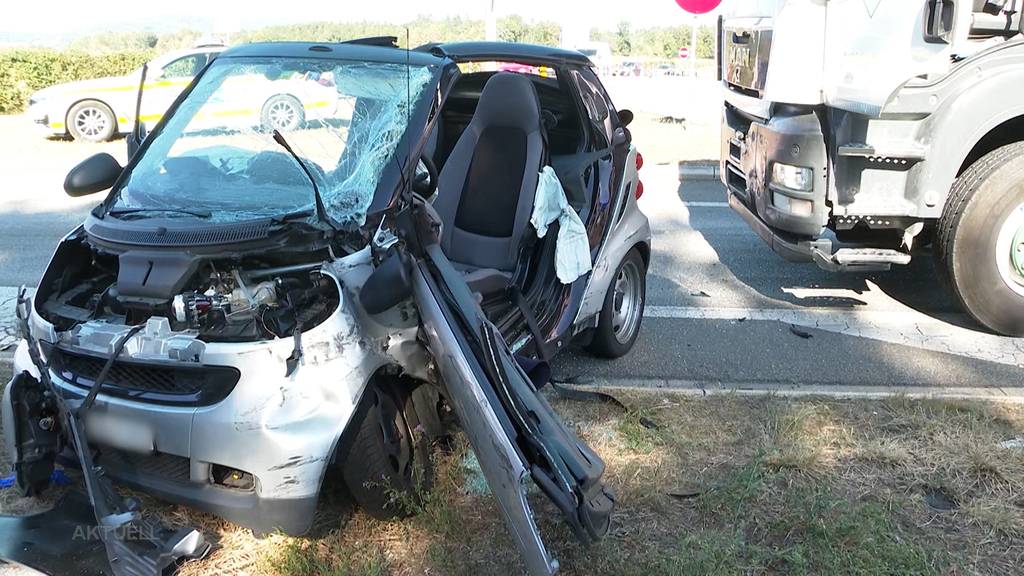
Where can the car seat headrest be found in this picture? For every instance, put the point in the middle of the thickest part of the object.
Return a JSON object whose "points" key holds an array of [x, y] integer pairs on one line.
{"points": [[509, 100]]}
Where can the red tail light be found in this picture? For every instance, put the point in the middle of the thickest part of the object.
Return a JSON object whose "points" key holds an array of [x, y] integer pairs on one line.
{"points": [[639, 189], [639, 161]]}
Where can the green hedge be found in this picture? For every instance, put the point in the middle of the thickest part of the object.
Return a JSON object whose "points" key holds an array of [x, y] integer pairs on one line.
{"points": [[22, 72]]}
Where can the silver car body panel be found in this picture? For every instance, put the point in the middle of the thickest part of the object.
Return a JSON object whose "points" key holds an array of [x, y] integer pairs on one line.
{"points": [[283, 430], [630, 227], [499, 461]]}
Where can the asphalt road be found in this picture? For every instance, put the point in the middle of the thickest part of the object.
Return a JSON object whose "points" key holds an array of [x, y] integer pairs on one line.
{"points": [[723, 310]]}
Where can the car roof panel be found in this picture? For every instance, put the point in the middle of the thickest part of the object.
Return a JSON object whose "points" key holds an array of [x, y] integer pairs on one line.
{"points": [[498, 51], [332, 51]]}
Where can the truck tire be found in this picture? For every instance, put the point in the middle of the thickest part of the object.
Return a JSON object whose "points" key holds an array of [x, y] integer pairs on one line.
{"points": [[618, 325], [980, 240], [387, 466], [91, 121]]}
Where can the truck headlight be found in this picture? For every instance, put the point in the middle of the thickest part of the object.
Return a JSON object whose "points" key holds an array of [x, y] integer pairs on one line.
{"points": [[793, 177]]}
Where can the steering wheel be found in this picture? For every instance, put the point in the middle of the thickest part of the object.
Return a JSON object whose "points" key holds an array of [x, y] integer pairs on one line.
{"points": [[424, 182]]}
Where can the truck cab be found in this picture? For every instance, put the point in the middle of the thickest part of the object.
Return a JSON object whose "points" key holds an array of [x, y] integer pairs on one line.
{"points": [[857, 132]]}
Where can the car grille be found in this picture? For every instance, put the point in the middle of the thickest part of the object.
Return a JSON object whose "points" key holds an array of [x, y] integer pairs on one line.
{"points": [[153, 382], [163, 466]]}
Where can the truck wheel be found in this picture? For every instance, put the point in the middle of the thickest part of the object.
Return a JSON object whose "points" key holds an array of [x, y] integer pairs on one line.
{"points": [[283, 113], [980, 240], [91, 121], [623, 310], [387, 467]]}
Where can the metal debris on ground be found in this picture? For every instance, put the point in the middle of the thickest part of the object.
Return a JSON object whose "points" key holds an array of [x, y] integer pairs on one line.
{"points": [[801, 333], [940, 500], [1013, 444]]}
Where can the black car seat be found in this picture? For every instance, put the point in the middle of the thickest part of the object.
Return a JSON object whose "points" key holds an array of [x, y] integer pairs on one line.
{"points": [[487, 186]]}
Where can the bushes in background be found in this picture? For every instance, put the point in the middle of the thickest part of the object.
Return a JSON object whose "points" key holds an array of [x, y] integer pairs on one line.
{"points": [[22, 72]]}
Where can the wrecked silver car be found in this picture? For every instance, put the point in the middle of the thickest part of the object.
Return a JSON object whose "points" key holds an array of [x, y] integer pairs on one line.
{"points": [[248, 309]]}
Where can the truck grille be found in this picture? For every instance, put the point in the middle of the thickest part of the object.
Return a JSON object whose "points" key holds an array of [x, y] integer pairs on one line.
{"points": [[157, 383], [736, 127]]}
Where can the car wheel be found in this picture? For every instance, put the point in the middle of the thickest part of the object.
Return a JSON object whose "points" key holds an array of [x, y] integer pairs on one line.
{"points": [[282, 113], [387, 467], [980, 240], [91, 121], [622, 314]]}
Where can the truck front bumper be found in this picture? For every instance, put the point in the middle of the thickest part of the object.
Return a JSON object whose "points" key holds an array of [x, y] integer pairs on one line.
{"points": [[788, 219]]}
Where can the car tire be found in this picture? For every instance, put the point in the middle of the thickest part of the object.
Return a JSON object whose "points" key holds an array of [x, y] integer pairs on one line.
{"points": [[283, 113], [91, 121], [387, 467], [622, 314], [980, 240]]}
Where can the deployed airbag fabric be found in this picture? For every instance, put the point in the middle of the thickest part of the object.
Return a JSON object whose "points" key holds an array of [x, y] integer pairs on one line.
{"points": [[572, 248]]}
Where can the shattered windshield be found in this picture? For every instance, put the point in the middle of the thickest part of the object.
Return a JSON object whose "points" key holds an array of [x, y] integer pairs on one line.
{"points": [[216, 159]]}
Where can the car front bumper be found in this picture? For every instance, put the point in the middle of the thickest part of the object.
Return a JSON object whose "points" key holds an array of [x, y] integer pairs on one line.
{"points": [[282, 430], [283, 436], [47, 121]]}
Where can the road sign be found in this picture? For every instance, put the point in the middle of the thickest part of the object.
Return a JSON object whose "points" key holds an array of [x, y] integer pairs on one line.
{"points": [[684, 52], [698, 6]]}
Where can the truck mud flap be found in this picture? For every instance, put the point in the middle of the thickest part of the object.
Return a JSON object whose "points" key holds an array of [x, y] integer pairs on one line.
{"points": [[514, 432]]}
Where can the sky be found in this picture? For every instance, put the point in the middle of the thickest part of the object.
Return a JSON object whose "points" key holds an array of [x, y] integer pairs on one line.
{"points": [[79, 17]]}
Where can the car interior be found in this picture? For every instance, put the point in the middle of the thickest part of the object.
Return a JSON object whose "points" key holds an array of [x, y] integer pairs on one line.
{"points": [[496, 131]]}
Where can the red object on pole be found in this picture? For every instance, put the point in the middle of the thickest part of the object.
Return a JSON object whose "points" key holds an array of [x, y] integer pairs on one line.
{"points": [[698, 6], [684, 52]]}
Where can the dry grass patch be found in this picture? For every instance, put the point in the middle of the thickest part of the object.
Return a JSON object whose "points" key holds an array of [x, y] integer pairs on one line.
{"points": [[717, 485]]}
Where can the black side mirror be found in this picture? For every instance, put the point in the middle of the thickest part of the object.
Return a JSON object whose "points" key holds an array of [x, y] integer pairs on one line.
{"points": [[136, 138], [625, 116], [94, 174], [620, 137], [388, 285]]}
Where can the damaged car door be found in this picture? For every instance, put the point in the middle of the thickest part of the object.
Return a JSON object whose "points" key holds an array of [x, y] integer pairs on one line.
{"points": [[516, 435]]}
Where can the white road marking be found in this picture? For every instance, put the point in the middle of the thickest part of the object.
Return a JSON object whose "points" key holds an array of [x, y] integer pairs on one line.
{"points": [[693, 388], [904, 327], [907, 328], [706, 204]]}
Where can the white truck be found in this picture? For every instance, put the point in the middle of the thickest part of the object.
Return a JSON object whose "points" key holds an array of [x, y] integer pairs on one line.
{"points": [[857, 132]]}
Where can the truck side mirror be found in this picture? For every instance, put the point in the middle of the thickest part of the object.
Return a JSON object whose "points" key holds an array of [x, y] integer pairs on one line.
{"points": [[94, 174], [938, 21], [625, 116]]}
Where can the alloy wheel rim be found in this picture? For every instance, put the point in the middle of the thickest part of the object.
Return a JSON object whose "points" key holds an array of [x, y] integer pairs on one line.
{"points": [[282, 115], [91, 122], [1010, 250], [627, 301]]}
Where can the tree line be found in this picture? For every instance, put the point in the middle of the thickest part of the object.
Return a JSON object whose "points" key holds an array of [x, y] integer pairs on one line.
{"points": [[658, 42]]}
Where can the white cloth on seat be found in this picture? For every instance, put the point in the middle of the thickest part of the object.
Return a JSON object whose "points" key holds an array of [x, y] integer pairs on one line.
{"points": [[572, 247]]}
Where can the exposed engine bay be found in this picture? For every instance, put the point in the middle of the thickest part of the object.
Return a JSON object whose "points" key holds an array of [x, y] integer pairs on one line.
{"points": [[215, 300]]}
